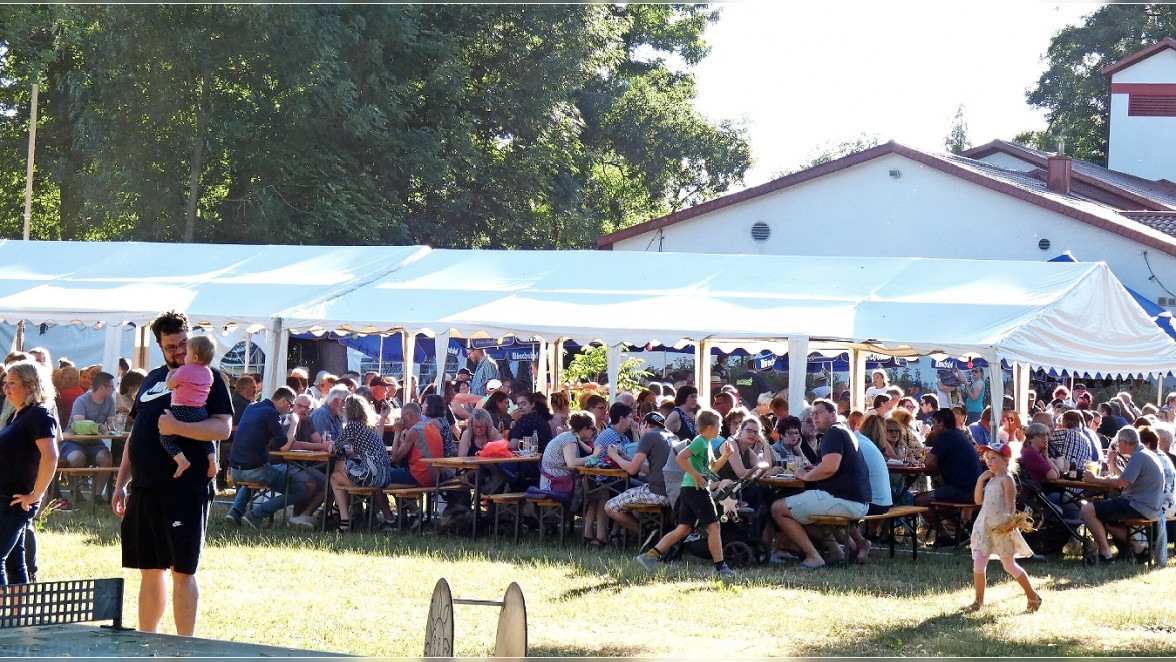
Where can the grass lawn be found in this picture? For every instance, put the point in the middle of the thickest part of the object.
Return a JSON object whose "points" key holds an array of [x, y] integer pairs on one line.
{"points": [[368, 594]]}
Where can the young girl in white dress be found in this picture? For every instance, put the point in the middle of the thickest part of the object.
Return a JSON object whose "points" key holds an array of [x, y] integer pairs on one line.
{"points": [[994, 533]]}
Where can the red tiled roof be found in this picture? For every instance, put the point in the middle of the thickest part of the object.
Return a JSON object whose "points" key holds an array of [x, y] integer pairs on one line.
{"points": [[1160, 221], [1009, 182], [1166, 42], [1136, 192]]}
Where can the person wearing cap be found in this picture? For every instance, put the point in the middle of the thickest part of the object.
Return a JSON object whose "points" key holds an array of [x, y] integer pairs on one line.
{"points": [[821, 387], [484, 372], [384, 389], [655, 447], [992, 533]]}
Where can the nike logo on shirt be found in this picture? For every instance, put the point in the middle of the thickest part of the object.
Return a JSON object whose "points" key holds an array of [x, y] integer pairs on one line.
{"points": [[157, 391]]}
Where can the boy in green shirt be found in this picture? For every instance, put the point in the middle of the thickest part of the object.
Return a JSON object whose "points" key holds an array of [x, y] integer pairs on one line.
{"points": [[695, 503]]}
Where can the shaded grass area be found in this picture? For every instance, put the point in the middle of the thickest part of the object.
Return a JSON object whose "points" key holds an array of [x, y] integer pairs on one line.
{"points": [[368, 594]]}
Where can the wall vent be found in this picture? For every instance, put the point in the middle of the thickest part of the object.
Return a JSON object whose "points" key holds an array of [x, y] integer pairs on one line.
{"points": [[760, 232]]}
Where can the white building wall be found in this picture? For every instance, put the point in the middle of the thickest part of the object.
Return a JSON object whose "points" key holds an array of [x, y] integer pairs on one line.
{"points": [[1143, 146], [1159, 68], [923, 213]]}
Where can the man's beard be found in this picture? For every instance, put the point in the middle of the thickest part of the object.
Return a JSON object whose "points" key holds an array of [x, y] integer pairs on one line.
{"points": [[171, 363]]}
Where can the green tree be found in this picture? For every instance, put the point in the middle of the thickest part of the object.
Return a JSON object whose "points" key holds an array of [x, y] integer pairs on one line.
{"points": [[957, 138], [1075, 96], [454, 125]]}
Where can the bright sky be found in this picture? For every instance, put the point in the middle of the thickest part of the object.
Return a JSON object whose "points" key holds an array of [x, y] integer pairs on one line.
{"points": [[810, 75]]}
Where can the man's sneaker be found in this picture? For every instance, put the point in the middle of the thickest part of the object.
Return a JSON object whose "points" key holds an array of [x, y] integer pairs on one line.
{"points": [[64, 506], [251, 520], [233, 517], [648, 560], [725, 572], [301, 520]]}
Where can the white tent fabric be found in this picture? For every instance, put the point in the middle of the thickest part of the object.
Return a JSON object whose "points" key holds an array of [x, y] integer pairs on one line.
{"points": [[1073, 316], [220, 284]]}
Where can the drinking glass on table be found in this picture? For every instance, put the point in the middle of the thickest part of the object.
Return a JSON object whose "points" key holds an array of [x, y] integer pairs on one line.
{"points": [[1092, 467]]}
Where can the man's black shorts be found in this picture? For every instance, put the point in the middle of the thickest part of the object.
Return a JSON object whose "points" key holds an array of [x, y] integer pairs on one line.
{"points": [[164, 529], [695, 504]]}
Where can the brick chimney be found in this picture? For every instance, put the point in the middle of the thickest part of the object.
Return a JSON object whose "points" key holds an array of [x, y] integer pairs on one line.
{"points": [[1057, 175]]}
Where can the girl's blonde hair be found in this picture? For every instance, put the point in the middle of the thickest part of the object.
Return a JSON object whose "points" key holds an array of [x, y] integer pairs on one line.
{"points": [[202, 348]]}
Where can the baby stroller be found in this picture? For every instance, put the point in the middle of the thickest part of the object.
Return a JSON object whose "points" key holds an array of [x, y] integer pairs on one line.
{"points": [[1052, 529], [739, 526]]}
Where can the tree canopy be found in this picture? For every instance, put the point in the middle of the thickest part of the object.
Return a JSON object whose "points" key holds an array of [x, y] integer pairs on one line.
{"points": [[454, 125], [1075, 96]]}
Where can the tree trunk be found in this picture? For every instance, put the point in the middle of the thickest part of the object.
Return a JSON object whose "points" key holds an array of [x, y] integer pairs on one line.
{"points": [[197, 161]]}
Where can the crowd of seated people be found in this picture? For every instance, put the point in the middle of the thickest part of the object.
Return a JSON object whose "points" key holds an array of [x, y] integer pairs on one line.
{"points": [[382, 428]]}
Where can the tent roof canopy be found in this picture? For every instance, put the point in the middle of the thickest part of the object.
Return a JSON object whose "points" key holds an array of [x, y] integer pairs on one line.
{"points": [[220, 284], [1074, 316], [1058, 315]]}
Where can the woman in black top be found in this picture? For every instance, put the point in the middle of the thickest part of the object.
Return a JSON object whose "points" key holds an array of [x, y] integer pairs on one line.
{"points": [[28, 458], [535, 418]]}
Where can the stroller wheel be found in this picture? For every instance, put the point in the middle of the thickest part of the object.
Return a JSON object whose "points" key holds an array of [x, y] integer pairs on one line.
{"points": [[738, 554]]}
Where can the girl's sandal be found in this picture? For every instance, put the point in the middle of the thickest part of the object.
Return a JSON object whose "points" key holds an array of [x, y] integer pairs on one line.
{"points": [[1034, 605], [344, 526], [975, 606]]}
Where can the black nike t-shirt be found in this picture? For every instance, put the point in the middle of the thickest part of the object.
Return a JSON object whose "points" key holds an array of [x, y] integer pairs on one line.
{"points": [[151, 466]]}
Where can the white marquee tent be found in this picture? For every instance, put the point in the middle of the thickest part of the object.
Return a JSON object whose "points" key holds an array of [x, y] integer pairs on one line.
{"points": [[1074, 316]]}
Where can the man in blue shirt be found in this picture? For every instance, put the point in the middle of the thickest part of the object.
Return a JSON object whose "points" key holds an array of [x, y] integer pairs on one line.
{"points": [[260, 432]]}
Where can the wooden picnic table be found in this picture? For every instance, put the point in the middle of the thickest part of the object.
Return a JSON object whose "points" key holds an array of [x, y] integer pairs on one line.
{"points": [[1074, 489], [91, 439], [475, 463], [782, 482], [309, 460], [908, 469]]}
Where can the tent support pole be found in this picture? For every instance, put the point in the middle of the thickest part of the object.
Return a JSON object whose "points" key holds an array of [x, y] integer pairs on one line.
{"points": [[702, 371], [798, 350], [248, 343], [381, 359], [441, 357], [557, 356], [996, 394], [408, 348], [1021, 374], [113, 341], [857, 379], [1159, 389], [614, 371], [278, 341], [541, 363], [142, 346]]}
